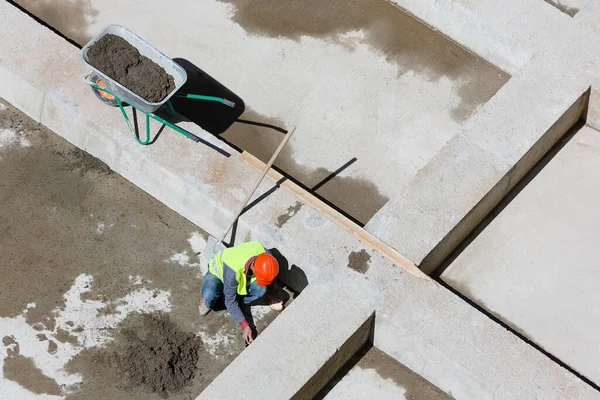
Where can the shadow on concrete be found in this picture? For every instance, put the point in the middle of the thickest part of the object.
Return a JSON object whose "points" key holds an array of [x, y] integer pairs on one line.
{"points": [[211, 116], [278, 185], [343, 371], [351, 363], [262, 124], [217, 118], [137, 128], [173, 119], [333, 175], [291, 276]]}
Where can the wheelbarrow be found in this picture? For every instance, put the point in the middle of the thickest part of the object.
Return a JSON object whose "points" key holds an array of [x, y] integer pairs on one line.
{"points": [[112, 93]]}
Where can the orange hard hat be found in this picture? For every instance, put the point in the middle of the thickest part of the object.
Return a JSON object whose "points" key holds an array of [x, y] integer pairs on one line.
{"points": [[266, 269]]}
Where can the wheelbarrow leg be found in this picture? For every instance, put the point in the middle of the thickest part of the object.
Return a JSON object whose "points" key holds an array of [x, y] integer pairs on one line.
{"points": [[147, 131], [135, 129]]}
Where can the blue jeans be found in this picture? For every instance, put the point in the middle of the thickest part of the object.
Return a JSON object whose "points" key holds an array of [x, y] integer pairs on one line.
{"points": [[212, 290]]}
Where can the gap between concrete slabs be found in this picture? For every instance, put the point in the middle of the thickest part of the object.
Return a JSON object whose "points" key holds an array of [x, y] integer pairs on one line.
{"points": [[428, 318]]}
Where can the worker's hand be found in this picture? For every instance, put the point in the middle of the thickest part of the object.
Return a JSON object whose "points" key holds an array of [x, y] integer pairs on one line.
{"points": [[248, 335]]}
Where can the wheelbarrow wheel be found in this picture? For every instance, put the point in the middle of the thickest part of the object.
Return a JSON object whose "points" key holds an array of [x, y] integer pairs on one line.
{"points": [[104, 97]]}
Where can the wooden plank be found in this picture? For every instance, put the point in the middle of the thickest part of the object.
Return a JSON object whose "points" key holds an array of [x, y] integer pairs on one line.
{"points": [[360, 233]]}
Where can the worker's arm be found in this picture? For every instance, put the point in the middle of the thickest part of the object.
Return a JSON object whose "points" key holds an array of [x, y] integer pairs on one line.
{"points": [[230, 292]]}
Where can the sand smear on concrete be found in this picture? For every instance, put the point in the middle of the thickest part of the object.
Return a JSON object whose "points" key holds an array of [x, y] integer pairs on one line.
{"points": [[23, 371], [69, 17], [405, 41], [149, 352], [359, 261]]}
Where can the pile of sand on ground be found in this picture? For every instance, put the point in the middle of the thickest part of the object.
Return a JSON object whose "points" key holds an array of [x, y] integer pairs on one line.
{"points": [[158, 355]]}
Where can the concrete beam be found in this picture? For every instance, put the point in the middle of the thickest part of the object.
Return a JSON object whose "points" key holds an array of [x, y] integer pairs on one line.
{"points": [[21, 94], [304, 347], [443, 249]]}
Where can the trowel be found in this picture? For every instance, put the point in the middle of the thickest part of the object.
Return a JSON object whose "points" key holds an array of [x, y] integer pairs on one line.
{"points": [[213, 246]]}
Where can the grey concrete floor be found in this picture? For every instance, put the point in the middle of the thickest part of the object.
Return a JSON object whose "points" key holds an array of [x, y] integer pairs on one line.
{"points": [[372, 374], [82, 252], [375, 93]]}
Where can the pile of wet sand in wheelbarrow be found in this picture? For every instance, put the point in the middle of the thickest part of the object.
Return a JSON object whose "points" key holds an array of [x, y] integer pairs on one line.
{"points": [[118, 59]]}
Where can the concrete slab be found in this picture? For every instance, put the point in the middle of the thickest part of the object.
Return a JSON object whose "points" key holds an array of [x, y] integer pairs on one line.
{"points": [[536, 265], [83, 252], [375, 375], [357, 84]]}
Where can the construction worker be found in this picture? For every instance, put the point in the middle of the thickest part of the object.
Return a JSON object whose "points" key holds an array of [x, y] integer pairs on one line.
{"points": [[241, 272]]}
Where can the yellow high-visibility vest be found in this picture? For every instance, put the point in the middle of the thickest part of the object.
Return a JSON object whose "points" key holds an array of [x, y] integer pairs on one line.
{"points": [[236, 258]]}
